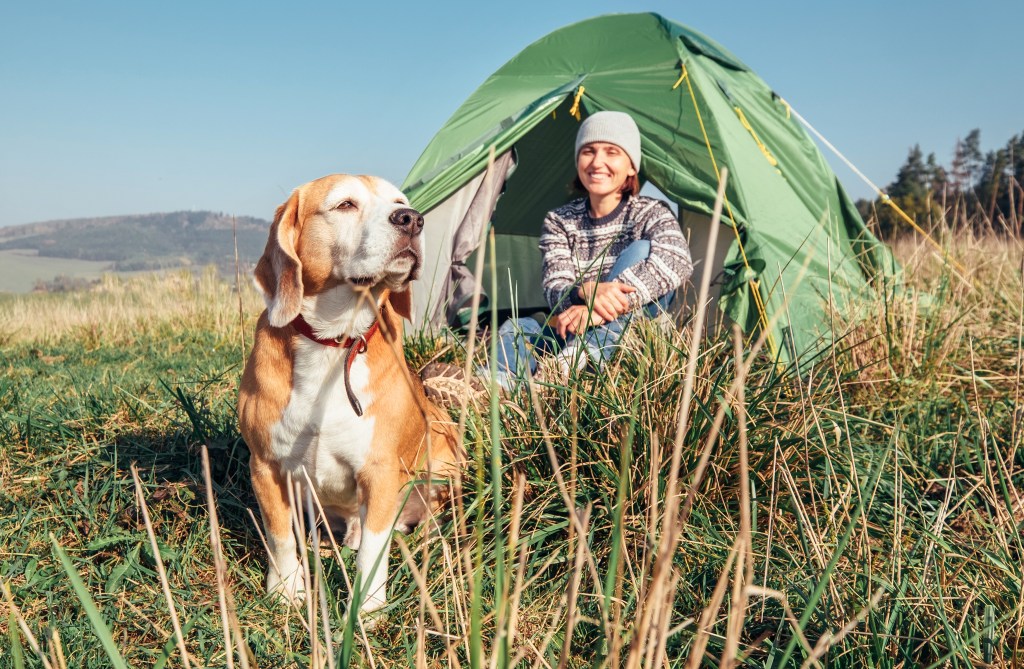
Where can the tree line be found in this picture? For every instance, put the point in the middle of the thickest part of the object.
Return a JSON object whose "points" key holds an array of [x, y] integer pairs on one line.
{"points": [[979, 191]]}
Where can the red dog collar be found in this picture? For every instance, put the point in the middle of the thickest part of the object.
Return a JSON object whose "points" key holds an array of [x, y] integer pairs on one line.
{"points": [[355, 346], [306, 330]]}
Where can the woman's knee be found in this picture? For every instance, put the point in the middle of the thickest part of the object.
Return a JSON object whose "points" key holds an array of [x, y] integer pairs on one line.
{"points": [[637, 252], [519, 326]]}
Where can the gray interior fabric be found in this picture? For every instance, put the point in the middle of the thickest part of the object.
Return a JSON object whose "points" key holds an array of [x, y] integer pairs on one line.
{"points": [[453, 231], [461, 282]]}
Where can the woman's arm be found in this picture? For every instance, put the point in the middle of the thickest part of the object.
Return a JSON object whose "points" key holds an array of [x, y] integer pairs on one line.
{"points": [[559, 276], [669, 263]]}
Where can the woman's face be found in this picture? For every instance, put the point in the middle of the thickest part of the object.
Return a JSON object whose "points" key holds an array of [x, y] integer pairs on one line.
{"points": [[603, 168]]}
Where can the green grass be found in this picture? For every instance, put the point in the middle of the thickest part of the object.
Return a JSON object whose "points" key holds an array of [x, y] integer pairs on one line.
{"points": [[884, 503]]}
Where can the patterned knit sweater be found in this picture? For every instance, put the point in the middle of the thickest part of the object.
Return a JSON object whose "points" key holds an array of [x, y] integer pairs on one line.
{"points": [[577, 248]]}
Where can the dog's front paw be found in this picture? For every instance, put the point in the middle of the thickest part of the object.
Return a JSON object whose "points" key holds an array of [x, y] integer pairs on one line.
{"points": [[289, 589], [373, 603], [371, 612]]}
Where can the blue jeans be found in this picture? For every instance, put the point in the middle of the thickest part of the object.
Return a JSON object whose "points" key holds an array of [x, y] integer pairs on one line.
{"points": [[521, 341]]}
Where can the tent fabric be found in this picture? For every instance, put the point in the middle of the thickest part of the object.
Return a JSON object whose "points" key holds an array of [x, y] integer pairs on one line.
{"points": [[455, 227], [796, 239]]}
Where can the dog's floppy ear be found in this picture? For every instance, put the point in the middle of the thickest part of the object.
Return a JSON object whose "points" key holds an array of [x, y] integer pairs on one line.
{"points": [[402, 303], [278, 273]]}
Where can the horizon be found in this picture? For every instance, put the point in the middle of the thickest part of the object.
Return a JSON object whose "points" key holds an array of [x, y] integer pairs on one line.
{"points": [[132, 109]]}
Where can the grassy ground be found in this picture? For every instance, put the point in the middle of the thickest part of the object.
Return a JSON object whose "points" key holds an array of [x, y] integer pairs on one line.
{"points": [[19, 270], [867, 516]]}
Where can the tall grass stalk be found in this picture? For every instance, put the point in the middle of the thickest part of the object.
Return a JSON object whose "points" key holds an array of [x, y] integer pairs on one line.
{"points": [[228, 622], [667, 546], [500, 650], [238, 291], [160, 570]]}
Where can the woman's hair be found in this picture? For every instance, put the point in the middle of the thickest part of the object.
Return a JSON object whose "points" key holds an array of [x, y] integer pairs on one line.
{"points": [[631, 186]]}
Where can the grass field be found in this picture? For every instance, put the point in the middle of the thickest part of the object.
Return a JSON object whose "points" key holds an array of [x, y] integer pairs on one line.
{"points": [[19, 270], [869, 515]]}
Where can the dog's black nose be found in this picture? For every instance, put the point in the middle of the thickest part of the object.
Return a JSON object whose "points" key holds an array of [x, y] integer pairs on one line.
{"points": [[409, 220]]}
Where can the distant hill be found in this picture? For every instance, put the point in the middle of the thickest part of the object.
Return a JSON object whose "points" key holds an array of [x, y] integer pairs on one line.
{"points": [[144, 241]]}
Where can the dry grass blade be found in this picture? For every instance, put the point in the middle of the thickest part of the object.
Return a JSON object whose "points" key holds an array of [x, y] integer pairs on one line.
{"points": [[654, 595], [707, 618], [299, 530], [425, 598], [58, 648], [321, 516], [318, 575], [238, 290], [24, 625], [573, 593], [229, 622], [829, 640], [517, 592], [160, 570], [745, 560]]}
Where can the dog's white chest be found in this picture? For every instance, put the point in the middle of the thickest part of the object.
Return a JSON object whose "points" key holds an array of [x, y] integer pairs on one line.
{"points": [[319, 429]]}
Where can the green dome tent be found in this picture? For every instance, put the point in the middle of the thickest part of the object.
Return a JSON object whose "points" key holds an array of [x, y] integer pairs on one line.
{"points": [[796, 241]]}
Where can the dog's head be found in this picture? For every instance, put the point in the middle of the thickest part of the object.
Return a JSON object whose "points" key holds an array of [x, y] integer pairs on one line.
{"points": [[357, 231]]}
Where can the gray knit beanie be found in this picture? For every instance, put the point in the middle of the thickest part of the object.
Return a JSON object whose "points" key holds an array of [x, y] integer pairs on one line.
{"points": [[614, 127]]}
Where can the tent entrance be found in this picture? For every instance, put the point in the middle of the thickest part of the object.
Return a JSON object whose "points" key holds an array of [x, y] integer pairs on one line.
{"points": [[541, 180], [519, 290]]}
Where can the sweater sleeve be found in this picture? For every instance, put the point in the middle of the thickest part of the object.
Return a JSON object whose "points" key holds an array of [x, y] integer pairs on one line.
{"points": [[669, 263], [559, 275]]}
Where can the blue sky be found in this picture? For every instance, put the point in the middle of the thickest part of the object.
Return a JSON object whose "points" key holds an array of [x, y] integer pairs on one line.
{"points": [[131, 107]]}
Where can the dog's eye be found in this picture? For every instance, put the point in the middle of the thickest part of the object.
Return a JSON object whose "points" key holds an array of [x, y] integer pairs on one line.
{"points": [[346, 204]]}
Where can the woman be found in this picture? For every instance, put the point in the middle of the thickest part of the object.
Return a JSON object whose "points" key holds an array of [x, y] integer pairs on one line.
{"points": [[607, 257]]}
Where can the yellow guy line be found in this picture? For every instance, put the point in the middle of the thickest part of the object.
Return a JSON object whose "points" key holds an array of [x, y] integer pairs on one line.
{"points": [[761, 311], [764, 149]]}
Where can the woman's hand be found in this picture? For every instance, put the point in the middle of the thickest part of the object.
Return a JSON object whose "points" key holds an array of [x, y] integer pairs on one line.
{"points": [[610, 298], [575, 320]]}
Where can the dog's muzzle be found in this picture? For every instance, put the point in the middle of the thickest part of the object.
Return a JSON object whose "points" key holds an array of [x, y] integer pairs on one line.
{"points": [[410, 223], [407, 220]]}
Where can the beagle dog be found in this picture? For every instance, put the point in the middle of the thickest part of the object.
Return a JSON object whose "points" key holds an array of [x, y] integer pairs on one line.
{"points": [[326, 397]]}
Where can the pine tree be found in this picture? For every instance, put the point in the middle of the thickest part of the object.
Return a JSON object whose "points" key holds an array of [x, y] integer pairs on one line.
{"points": [[912, 178], [912, 193], [958, 174], [992, 182], [972, 152], [1015, 190], [938, 180]]}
